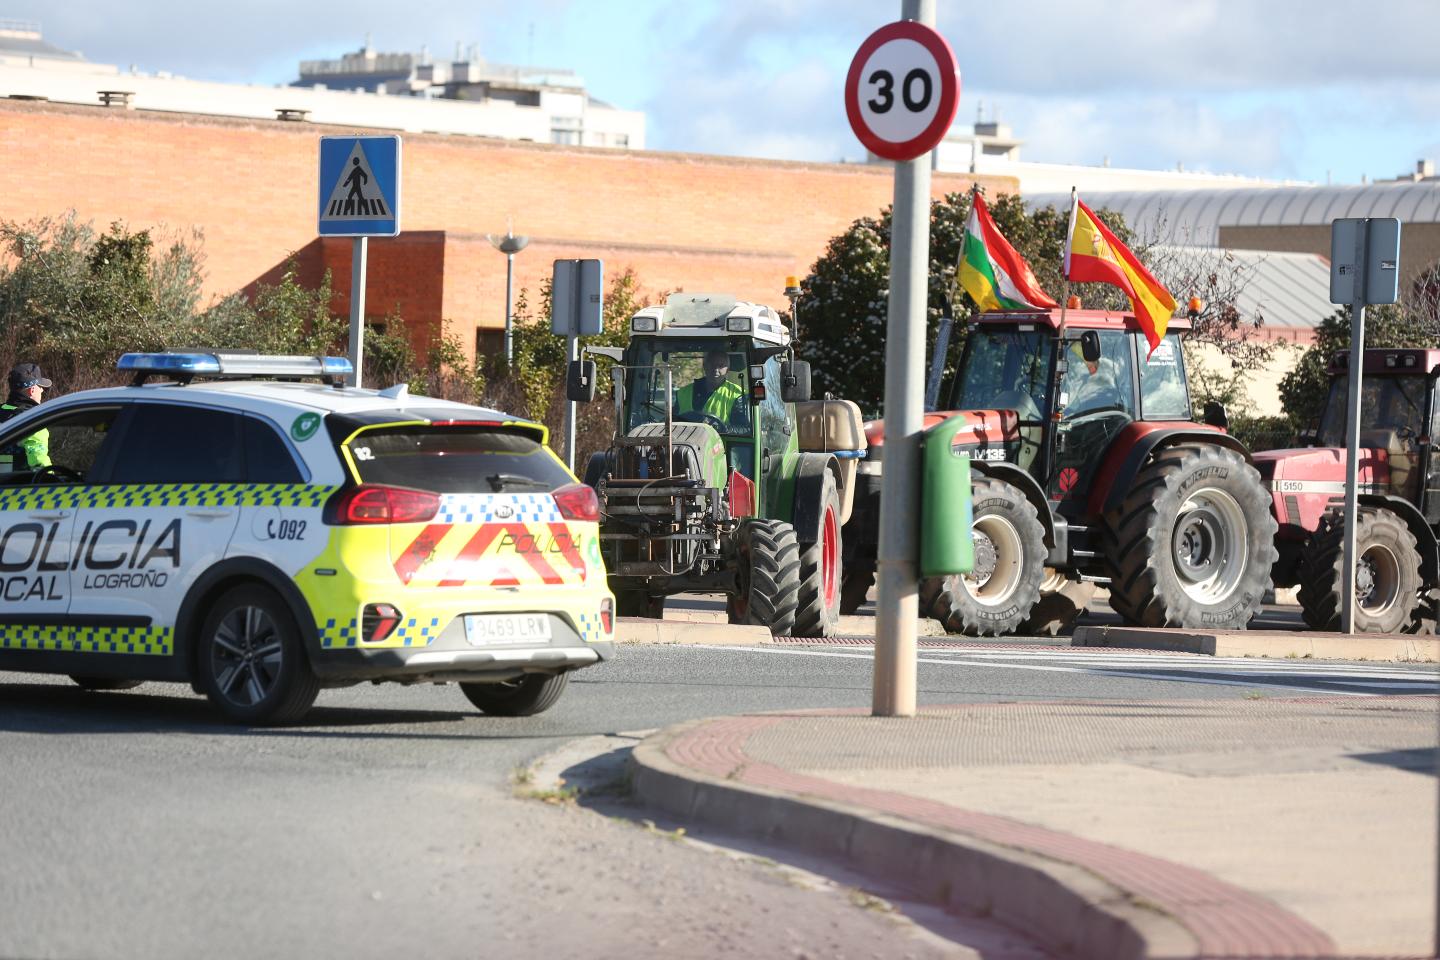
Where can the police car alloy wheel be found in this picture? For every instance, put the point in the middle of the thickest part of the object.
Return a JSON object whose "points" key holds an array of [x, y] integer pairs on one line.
{"points": [[250, 661]]}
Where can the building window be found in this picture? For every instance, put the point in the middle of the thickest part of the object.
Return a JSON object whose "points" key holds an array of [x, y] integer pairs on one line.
{"points": [[489, 344], [622, 140], [569, 137]]}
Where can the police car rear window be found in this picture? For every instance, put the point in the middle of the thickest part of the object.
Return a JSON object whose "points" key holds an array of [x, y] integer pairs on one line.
{"points": [[455, 459]]}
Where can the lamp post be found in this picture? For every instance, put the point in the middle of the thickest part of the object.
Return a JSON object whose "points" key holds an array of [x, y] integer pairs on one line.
{"points": [[509, 245]]}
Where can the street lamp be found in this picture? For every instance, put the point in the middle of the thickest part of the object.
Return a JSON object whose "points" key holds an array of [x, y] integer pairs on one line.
{"points": [[508, 245]]}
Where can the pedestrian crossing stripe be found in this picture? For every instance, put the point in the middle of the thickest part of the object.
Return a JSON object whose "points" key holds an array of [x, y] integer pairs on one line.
{"points": [[357, 194]]}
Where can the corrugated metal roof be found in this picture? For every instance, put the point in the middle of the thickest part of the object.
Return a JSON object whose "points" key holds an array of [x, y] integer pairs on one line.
{"points": [[1196, 216], [1286, 289]]}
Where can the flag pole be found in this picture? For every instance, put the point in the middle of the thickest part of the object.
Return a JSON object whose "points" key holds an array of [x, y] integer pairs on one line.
{"points": [[1065, 264]]}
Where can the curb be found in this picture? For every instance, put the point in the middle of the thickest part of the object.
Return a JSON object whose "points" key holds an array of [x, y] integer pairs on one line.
{"points": [[1066, 907], [641, 630], [1264, 643]]}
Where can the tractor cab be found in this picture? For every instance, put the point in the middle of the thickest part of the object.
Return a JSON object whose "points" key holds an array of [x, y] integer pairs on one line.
{"points": [[711, 359], [1397, 412], [1057, 408]]}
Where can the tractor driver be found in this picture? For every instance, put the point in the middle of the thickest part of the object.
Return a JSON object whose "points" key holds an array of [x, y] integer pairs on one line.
{"points": [[1093, 385], [713, 394]]}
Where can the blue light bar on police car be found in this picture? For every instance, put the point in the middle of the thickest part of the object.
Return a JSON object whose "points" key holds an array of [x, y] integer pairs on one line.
{"points": [[235, 365]]}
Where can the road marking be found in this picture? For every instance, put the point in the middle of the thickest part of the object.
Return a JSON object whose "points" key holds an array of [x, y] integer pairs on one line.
{"points": [[1307, 679]]}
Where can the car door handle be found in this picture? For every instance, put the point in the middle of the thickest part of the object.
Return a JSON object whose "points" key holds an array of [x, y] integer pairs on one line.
{"points": [[55, 515], [210, 514]]}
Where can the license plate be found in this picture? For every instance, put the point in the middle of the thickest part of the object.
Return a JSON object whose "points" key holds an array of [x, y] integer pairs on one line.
{"points": [[492, 629]]}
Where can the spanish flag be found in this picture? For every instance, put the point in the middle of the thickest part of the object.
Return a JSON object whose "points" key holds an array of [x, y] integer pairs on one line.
{"points": [[1095, 255]]}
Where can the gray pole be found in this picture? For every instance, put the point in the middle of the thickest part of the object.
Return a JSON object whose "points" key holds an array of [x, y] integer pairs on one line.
{"points": [[358, 252], [898, 568], [509, 301], [1352, 437]]}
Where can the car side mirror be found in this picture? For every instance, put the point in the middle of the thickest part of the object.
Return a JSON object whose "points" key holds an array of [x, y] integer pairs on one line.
{"points": [[795, 381], [580, 381], [1215, 415], [1090, 346]]}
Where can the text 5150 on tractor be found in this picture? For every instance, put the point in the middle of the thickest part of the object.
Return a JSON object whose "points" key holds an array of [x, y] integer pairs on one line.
{"points": [[1087, 469], [1396, 569], [723, 476]]}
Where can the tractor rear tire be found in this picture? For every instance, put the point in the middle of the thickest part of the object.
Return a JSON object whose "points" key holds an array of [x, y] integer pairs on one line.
{"points": [[1000, 593], [855, 590], [1193, 543], [1387, 574], [817, 614], [1058, 608], [768, 578]]}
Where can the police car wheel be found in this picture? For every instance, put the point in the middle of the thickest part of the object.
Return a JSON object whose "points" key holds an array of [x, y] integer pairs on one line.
{"points": [[250, 661], [521, 697], [104, 683]]}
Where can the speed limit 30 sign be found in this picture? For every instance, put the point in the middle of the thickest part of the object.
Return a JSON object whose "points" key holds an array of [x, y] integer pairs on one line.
{"points": [[902, 91]]}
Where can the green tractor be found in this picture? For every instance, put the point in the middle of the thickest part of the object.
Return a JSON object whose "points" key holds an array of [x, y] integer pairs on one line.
{"points": [[723, 476]]}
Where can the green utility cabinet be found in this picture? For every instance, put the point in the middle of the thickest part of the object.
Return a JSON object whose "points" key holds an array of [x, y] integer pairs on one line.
{"points": [[947, 543]]}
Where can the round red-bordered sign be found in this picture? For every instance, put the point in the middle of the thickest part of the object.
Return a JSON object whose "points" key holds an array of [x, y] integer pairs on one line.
{"points": [[891, 95]]}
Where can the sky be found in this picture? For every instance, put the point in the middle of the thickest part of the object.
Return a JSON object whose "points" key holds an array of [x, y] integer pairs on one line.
{"points": [[1296, 89]]}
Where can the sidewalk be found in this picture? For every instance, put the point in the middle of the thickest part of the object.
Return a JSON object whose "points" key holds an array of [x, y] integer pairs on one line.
{"points": [[1226, 828]]}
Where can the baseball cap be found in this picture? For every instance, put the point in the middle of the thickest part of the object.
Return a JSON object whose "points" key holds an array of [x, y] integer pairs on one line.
{"points": [[24, 375]]}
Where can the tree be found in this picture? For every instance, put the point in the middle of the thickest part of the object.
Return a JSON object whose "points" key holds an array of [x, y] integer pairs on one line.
{"points": [[844, 300]]}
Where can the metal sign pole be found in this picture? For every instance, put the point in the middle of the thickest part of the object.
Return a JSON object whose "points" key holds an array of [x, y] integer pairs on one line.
{"points": [[899, 548], [572, 353], [359, 250], [1352, 434]]}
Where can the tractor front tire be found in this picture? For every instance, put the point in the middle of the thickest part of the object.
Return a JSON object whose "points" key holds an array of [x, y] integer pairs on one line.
{"points": [[1387, 575], [768, 579], [817, 613], [997, 597], [1193, 543]]}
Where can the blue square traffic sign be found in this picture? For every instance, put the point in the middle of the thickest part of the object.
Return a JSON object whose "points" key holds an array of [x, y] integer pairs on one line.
{"points": [[359, 186]]}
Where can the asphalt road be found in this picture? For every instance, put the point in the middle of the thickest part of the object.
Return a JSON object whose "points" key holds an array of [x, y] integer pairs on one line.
{"points": [[136, 825]]}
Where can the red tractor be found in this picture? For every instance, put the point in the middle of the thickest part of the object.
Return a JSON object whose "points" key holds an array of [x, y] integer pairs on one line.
{"points": [[1399, 498], [1087, 470]]}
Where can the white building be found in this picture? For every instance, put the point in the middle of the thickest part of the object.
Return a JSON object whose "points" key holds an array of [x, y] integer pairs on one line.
{"points": [[571, 115], [525, 109]]}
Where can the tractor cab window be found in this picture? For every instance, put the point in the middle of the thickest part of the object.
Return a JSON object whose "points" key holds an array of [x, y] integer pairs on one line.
{"points": [[1105, 386], [1004, 370], [1392, 420], [1388, 405], [1163, 395], [708, 384]]}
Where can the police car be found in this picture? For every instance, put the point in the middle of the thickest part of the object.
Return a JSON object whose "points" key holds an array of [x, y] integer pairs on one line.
{"points": [[262, 539]]}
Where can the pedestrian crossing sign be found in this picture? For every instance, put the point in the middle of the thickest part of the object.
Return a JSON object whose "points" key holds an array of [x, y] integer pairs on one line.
{"points": [[359, 186]]}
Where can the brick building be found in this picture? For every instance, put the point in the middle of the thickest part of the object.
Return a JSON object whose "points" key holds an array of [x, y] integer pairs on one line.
{"points": [[681, 221]]}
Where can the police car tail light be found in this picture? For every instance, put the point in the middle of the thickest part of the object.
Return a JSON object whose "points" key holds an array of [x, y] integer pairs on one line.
{"points": [[578, 502], [378, 622], [376, 504], [607, 616]]}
